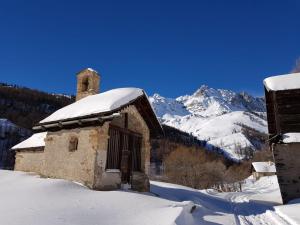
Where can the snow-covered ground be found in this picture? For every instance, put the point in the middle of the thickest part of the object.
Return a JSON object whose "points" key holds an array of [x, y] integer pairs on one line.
{"points": [[28, 199], [291, 212]]}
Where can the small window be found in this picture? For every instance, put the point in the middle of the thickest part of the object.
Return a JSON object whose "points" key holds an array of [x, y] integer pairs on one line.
{"points": [[85, 84], [73, 144]]}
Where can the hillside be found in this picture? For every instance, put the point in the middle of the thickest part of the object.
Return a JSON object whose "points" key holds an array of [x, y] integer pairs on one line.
{"points": [[233, 122], [25, 107], [20, 109]]}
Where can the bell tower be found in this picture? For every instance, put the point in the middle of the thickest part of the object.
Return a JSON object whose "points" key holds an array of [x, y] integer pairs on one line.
{"points": [[88, 81]]}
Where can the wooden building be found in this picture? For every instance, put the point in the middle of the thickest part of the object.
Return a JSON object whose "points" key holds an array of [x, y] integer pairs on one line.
{"points": [[283, 112], [101, 140]]}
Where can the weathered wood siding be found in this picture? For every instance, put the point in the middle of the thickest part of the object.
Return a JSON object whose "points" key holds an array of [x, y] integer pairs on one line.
{"points": [[283, 111], [287, 158]]}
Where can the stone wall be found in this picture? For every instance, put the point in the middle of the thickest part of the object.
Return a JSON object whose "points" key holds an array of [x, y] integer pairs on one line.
{"points": [[104, 180], [258, 175], [287, 157], [76, 165], [30, 161], [87, 164], [88, 83]]}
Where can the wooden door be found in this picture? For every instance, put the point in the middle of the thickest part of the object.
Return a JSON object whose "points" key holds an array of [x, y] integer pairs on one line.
{"points": [[126, 159], [124, 152]]}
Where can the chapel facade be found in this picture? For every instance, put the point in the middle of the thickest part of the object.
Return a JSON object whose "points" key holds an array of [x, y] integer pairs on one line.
{"points": [[101, 140]]}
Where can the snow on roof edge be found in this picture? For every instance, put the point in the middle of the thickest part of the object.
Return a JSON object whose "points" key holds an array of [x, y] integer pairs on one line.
{"points": [[35, 141], [109, 101], [291, 138], [282, 82], [100, 104], [264, 167]]}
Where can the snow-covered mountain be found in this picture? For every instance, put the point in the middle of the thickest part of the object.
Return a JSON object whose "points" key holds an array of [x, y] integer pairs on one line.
{"points": [[221, 117]]}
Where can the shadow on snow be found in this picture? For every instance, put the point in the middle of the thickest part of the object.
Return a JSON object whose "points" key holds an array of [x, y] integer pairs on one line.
{"points": [[211, 206]]}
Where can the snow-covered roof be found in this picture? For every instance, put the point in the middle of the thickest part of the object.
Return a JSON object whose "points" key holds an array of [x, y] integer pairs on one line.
{"points": [[291, 138], [96, 104], [35, 141], [283, 82], [264, 167]]}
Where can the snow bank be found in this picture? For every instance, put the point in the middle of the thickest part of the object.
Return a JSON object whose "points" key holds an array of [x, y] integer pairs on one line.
{"points": [[264, 167], [266, 190], [28, 199], [36, 140], [291, 138], [283, 82], [290, 212], [95, 104]]}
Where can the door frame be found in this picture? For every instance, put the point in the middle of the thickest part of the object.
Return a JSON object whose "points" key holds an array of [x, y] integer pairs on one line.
{"points": [[125, 151]]}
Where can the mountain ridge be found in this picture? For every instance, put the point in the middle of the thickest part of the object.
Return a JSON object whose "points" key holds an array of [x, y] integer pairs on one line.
{"points": [[219, 116]]}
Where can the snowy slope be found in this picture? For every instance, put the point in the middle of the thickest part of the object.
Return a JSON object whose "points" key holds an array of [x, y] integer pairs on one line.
{"points": [[290, 212], [258, 202], [215, 115], [28, 199]]}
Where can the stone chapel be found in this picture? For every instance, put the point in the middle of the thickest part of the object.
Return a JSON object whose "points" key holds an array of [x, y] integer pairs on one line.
{"points": [[102, 140]]}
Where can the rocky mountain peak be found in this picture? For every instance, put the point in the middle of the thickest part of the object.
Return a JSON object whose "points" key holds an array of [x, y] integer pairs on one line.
{"points": [[216, 115]]}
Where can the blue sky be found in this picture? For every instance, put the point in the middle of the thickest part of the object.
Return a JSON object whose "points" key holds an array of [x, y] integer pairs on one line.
{"points": [[169, 47]]}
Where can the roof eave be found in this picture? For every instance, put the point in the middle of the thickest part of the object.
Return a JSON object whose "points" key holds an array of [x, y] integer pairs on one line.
{"points": [[155, 127]]}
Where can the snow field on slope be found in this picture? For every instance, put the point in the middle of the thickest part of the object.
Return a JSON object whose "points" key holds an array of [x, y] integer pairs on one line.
{"points": [[214, 115], [28, 199], [222, 131]]}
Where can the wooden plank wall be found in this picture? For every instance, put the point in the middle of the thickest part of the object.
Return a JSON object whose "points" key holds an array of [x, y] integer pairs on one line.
{"points": [[287, 158], [283, 111]]}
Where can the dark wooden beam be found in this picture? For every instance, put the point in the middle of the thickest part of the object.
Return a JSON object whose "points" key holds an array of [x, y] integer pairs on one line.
{"points": [[124, 130], [126, 120], [276, 117]]}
